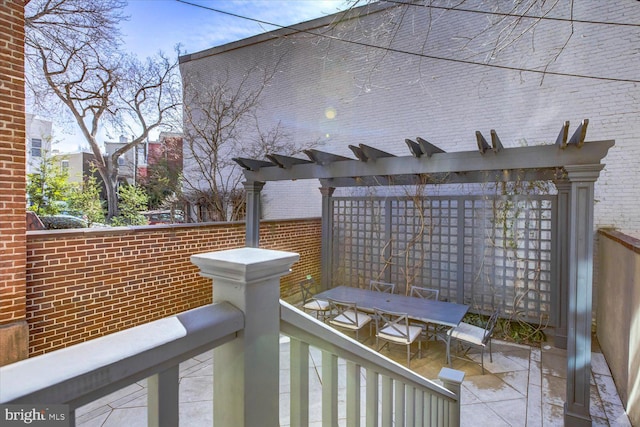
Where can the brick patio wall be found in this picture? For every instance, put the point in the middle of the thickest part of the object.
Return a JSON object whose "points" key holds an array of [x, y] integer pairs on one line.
{"points": [[13, 329], [618, 315], [88, 283]]}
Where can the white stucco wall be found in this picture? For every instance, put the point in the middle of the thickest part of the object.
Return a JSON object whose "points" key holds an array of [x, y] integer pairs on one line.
{"points": [[341, 93], [41, 129]]}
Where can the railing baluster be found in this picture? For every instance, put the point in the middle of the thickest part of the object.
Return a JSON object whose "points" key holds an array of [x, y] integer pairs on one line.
{"points": [[387, 401], [329, 389], [299, 388], [353, 394], [400, 405], [420, 409], [372, 398], [162, 398], [411, 405]]}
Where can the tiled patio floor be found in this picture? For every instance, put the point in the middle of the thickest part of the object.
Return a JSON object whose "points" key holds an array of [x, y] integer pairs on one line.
{"points": [[524, 386]]}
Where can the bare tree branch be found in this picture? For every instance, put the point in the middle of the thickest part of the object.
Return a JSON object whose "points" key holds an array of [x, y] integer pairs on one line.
{"points": [[72, 50]]}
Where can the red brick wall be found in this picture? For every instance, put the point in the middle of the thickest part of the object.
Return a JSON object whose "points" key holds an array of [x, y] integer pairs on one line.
{"points": [[12, 183], [85, 284]]}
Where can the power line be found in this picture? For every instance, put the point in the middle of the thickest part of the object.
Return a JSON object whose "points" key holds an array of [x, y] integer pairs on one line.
{"points": [[513, 15], [405, 52]]}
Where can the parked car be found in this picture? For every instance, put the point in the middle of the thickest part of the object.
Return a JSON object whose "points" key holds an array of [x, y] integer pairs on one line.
{"points": [[60, 222], [163, 217]]}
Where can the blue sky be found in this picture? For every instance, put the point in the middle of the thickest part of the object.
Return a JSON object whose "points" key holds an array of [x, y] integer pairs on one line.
{"points": [[160, 24], [156, 25]]}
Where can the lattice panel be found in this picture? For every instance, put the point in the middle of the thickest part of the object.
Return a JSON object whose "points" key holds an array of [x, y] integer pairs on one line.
{"points": [[424, 245], [358, 241], [489, 252], [507, 256]]}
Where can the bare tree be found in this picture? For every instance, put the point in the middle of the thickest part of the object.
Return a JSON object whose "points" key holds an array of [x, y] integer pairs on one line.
{"points": [[503, 25], [221, 122], [74, 46]]}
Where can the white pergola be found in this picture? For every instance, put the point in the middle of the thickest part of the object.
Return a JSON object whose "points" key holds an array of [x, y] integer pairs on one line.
{"points": [[572, 164]]}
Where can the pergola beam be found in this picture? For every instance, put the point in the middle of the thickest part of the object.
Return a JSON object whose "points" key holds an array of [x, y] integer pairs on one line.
{"points": [[518, 160], [444, 178]]}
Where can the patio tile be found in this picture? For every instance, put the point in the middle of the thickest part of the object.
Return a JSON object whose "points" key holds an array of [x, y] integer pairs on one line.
{"points": [[480, 415], [96, 421], [108, 399], [130, 417], [137, 398], [609, 395], [519, 380], [596, 409], [187, 365], [90, 418], [467, 397], [195, 389], [617, 416], [204, 357], [502, 363], [534, 406], [199, 370], [513, 412], [489, 388], [599, 364], [554, 390], [554, 363], [535, 371], [552, 415], [196, 413]]}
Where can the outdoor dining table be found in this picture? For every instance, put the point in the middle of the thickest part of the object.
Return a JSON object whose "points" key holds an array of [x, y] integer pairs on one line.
{"points": [[441, 313]]}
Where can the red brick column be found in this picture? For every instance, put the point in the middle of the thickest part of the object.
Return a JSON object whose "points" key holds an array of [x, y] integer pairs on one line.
{"points": [[14, 335]]}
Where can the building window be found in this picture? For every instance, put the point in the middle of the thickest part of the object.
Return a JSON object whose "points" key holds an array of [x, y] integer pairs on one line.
{"points": [[65, 165], [120, 161], [36, 147]]}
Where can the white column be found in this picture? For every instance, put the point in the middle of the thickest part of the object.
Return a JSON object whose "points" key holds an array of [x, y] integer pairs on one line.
{"points": [[246, 371]]}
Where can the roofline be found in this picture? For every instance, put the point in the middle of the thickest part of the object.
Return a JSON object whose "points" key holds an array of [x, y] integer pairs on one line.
{"points": [[303, 27]]}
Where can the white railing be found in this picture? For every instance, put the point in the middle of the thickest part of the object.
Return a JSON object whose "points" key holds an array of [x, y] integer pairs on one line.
{"points": [[243, 329], [84, 372], [394, 395]]}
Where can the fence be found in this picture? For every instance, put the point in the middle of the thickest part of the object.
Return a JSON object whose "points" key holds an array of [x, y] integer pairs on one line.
{"points": [[618, 315], [83, 284]]}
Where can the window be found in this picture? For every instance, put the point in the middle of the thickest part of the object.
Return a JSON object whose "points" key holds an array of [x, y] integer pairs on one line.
{"points": [[36, 147], [120, 161], [65, 165]]}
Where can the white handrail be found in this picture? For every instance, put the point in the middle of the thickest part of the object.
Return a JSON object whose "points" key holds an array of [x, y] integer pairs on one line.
{"points": [[416, 398], [84, 372]]}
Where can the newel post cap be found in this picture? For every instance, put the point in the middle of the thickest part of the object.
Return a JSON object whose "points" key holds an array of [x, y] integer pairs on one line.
{"points": [[245, 264]]}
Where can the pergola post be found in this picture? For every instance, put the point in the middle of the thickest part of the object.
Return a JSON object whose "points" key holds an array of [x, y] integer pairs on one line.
{"points": [[252, 233], [562, 265], [326, 260], [580, 274]]}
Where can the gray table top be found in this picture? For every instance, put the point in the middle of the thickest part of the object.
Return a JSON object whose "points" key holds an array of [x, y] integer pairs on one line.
{"points": [[430, 311]]}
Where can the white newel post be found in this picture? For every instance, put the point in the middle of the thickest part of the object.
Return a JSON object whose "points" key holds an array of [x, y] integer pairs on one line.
{"points": [[246, 371]]}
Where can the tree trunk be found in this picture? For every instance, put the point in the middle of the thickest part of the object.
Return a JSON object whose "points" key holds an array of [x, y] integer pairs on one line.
{"points": [[112, 197]]}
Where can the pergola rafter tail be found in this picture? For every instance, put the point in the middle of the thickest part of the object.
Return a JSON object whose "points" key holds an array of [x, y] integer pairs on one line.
{"points": [[500, 164]]}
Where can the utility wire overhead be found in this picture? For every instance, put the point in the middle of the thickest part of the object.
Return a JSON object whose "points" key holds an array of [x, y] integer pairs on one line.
{"points": [[405, 52]]}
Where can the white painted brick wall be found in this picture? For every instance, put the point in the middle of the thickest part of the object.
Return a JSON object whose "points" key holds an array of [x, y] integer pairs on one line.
{"points": [[382, 98]]}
